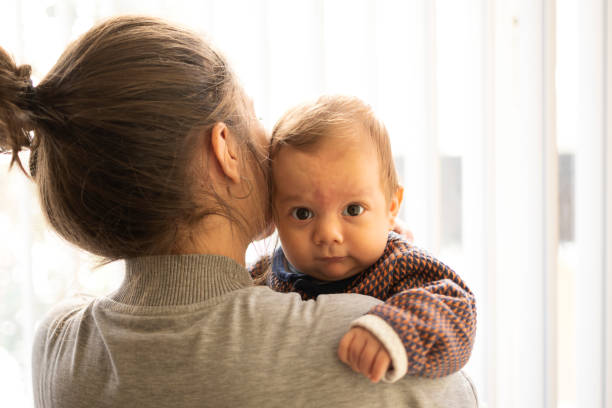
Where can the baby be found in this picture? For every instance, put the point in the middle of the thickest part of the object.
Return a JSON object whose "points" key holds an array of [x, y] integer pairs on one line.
{"points": [[335, 197]]}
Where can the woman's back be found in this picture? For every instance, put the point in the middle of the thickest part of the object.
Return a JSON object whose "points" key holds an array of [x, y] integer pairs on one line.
{"points": [[192, 331]]}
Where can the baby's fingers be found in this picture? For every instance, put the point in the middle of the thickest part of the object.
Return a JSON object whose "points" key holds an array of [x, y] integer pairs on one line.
{"points": [[367, 356], [354, 352], [380, 366], [344, 346]]}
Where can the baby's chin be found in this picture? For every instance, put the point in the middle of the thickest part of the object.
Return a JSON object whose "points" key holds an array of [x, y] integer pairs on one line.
{"points": [[334, 274]]}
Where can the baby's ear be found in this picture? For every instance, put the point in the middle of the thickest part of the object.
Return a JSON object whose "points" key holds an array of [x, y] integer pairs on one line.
{"points": [[394, 205]]}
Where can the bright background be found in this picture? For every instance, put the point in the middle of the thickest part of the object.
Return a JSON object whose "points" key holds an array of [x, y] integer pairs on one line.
{"points": [[500, 117]]}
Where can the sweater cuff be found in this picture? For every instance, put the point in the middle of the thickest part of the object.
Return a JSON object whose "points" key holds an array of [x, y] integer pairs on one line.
{"points": [[392, 342]]}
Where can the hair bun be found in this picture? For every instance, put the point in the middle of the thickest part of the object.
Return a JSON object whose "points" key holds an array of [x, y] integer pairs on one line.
{"points": [[27, 91], [29, 96], [17, 100]]}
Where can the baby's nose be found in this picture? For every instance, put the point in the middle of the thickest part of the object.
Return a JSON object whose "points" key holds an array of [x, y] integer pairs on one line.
{"points": [[328, 231]]}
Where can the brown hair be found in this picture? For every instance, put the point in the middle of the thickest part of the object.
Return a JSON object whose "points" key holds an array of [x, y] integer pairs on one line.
{"points": [[113, 129], [305, 126]]}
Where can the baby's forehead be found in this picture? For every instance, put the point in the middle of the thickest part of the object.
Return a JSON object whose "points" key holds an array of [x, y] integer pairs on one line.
{"points": [[340, 138], [341, 148], [327, 170], [333, 151]]}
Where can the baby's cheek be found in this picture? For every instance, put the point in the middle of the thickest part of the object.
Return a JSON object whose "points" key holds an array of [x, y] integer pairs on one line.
{"points": [[371, 247], [293, 247]]}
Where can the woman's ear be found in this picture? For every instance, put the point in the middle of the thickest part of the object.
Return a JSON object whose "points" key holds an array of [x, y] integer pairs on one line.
{"points": [[394, 205], [225, 150]]}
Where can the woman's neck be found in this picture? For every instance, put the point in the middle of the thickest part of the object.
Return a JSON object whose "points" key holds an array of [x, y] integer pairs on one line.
{"points": [[215, 236]]}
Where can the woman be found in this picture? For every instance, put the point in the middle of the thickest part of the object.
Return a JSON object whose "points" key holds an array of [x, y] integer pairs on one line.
{"points": [[145, 148]]}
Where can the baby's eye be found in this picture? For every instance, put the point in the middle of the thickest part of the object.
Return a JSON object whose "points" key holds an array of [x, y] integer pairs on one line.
{"points": [[301, 213], [353, 210]]}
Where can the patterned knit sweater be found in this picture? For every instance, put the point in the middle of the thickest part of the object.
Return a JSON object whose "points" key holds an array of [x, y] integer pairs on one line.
{"points": [[426, 303]]}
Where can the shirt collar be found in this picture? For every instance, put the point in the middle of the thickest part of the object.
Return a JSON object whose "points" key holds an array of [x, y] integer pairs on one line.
{"points": [[179, 279]]}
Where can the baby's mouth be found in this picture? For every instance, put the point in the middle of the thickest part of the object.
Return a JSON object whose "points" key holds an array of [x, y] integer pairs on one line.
{"points": [[332, 259]]}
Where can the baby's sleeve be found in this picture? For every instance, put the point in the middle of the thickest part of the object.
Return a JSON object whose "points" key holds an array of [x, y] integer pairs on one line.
{"points": [[432, 312]]}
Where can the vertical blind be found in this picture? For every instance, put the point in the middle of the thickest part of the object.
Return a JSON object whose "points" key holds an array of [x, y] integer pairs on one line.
{"points": [[500, 117]]}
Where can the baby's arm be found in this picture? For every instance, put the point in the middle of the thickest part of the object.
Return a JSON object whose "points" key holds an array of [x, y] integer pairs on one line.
{"points": [[431, 310]]}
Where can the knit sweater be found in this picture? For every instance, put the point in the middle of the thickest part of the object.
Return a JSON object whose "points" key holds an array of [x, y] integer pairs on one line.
{"points": [[193, 331], [426, 304]]}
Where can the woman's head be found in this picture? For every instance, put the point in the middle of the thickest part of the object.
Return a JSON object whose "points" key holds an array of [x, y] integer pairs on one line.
{"points": [[119, 126]]}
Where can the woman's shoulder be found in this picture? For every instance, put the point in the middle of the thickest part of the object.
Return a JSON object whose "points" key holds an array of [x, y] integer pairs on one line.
{"points": [[56, 321], [63, 311], [51, 330], [335, 306]]}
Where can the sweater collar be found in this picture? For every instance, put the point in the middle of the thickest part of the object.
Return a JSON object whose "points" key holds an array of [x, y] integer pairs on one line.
{"points": [[171, 280]]}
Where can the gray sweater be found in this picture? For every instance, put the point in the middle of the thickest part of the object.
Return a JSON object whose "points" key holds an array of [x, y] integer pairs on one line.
{"points": [[193, 331]]}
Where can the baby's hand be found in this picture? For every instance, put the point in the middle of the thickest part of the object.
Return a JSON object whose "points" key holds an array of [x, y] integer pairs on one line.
{"points": [[362, 351], [401, 228]]}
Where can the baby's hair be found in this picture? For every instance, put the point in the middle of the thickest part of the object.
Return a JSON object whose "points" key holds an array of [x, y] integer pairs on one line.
{"points": [[114, 128], [306, 126]]}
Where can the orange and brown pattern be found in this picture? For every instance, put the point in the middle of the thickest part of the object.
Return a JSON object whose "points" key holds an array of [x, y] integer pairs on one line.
{"points": [[426, 303]]}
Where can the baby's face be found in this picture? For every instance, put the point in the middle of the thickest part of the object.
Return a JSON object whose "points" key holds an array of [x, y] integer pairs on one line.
{"points": [[332, 215]]}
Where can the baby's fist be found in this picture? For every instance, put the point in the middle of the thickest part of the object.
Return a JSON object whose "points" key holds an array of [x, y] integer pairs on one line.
{"points": [[364, 353]]}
